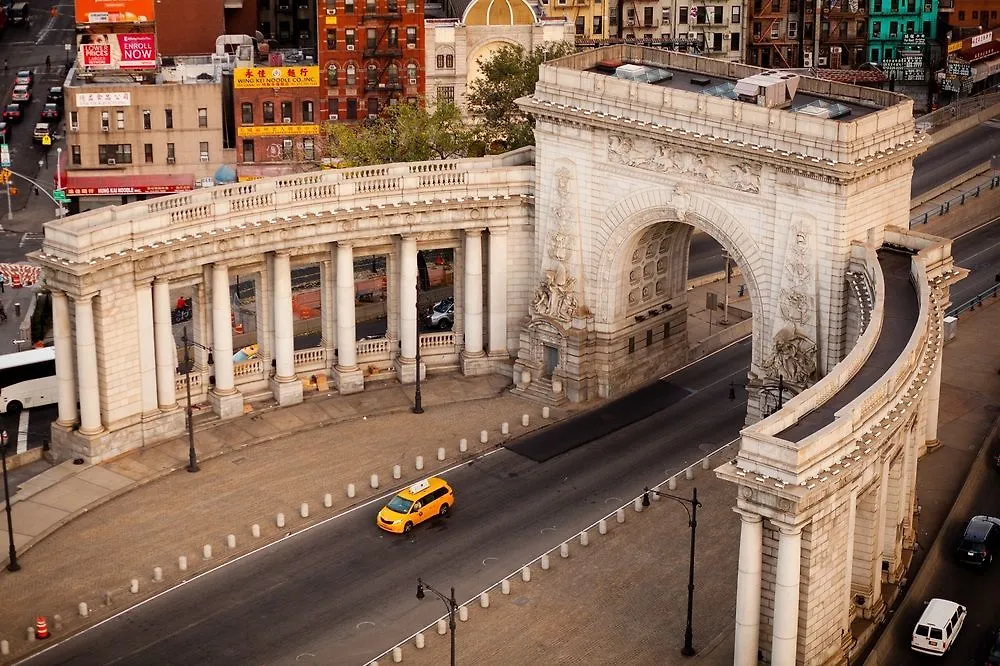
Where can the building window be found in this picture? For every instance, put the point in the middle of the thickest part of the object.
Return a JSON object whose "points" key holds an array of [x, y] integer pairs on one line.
{"points": [[647, 16], [580, 25], [369, 6], [775, 29], [147, 152], [349, 6], [308, 148], [268, 110], [373, 107], [75, 152], [331, 75], [333, 107], [248, 150], [202, 117], [649, 333], [307, 111], [114, 153], [286, 112], [331, 39], [147, 119], [598, 25], [876, 30], [411, 37], [411, 72], [682, 15], [961, 14], [168, 118], [793, 29], [734, 41], [631, 344], [411, 6], [446, 93], [74, 120], [371, 75], [120, 119], [394, 37], [171, 156], [440, 62], [105, 121], [352, 75], [349, 38], [352, 109], [203, 151], [371, 39], [975, 14], [286, 149], [735, 17], [246, 113]]}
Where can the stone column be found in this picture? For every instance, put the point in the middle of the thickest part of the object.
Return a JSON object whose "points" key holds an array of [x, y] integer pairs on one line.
{"points": [[406, 366], [748, 589], [65, 371], [784, 642], [473, 288], [226, 401], [349, 377], [498, 292], [327, 309], [285, 385], [931, 405], [166, 347], [147, 350], [86, 362]]}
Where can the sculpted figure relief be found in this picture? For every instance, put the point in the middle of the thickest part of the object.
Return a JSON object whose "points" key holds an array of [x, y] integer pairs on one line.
{"points": [[793, 357], [658, 156], [554, 297]]}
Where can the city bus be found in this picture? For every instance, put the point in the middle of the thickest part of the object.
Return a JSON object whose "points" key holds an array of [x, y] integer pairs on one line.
{"points": [[28, 379]]}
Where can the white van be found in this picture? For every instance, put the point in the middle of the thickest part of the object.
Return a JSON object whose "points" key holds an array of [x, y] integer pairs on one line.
{"points": [[938, 627]]}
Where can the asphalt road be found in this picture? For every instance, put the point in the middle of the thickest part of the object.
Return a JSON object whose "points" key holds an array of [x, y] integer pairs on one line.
{"points": [[344, 591], [980, 253], [948, 159]]}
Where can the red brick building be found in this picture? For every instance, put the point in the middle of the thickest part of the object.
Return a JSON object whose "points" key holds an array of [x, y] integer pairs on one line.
{"points": [[278, 117], [371, 54], [190, 27]]}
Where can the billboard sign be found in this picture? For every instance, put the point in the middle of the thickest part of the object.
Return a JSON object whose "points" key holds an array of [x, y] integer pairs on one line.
{"points": [[89, 100], [114, 11], [106, 190], [276, 130], [984, 38], [276, 77], [131, 51]]}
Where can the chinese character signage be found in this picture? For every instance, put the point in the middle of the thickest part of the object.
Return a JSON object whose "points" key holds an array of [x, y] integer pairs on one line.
{"points": [[276, 77], [131, 51], [276, 130], [114, 11], [84, 100], [959, 69], [914, 39], [984, 38], [106, 190]]}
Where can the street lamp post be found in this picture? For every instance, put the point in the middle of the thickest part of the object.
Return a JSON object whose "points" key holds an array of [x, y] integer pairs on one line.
{"points": [[452, 608], [12, 565], [688, 649], [187, 342], [418, 407]]}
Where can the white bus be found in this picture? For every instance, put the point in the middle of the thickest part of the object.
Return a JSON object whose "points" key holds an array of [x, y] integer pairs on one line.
{"points": [[28, 379]]}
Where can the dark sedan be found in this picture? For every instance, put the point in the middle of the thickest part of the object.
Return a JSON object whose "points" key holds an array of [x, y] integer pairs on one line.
{"points": [[51, 112], [12, 112], [979, 541]]}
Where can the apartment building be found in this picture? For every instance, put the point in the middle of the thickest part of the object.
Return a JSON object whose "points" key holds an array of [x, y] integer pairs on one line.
{"points": [[900, 29], [966, 18], [291, 23], [802, 33]]}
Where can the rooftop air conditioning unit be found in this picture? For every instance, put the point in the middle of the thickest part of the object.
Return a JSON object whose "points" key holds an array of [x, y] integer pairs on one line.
{"points": [[111, 161], [334, 116], [771, 89]]}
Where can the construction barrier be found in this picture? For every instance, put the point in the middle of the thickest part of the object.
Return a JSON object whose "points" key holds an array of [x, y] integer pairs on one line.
{"points": [[41, 628]]}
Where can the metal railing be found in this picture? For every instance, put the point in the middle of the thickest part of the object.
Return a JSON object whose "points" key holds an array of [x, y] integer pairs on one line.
{"points": [[945, 207], [975, 301], [962, 108]]}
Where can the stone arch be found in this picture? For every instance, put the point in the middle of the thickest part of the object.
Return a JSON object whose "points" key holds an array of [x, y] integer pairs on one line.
{"points": [[483, 51]]}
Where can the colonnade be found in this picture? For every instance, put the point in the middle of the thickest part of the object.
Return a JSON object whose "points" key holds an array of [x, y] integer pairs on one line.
{"points": [[78, 370]]}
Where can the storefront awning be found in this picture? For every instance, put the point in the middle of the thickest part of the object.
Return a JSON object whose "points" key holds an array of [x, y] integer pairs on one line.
{"points": [[985, 69], [110, 185]]}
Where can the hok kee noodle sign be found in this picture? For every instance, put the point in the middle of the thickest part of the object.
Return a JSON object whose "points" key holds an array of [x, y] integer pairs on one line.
{"points": [[119, 51]]}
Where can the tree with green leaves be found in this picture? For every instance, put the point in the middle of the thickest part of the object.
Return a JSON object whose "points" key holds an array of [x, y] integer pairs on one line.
{"points": [[403, 133], [507, 74]]}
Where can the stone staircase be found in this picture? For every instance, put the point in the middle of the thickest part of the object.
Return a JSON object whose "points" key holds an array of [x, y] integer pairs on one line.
{"points": [[540, 390]]}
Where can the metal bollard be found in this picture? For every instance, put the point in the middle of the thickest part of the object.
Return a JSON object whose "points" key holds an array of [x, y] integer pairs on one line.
{"points": [[4, 648], [442, 627], [526, 574], [418, 641], [620, 515], [584, 539], [206, 552], [463, 613], [484, 437], [133, 586], [602, 526], [706, 463], [672, 483], [484, 600], [81, 608], [689, 473], [545, 412], [182, 563], [504, 428], [157, 574], [525, 420], [420, 463], [373, 481], [397, 655], [505, 586], [637, 504]]}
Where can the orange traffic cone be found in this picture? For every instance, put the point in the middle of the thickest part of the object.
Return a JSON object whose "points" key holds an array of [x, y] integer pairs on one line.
{"points": [[41, 628]]}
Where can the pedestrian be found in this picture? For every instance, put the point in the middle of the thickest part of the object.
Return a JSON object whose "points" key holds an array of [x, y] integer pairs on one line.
{"points": [[3, 314], [34, 188], [3, 281], [48, 63]]}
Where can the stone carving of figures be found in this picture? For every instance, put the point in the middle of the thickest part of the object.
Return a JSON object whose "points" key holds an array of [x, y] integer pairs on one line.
{"points": [[795, 306], [555, 297], [681, 201], [793, 357], [744, 179]]}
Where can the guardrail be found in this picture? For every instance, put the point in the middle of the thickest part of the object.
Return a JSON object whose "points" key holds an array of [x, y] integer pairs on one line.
{"points": [[962, 108], [945, 207], [971, 304]]}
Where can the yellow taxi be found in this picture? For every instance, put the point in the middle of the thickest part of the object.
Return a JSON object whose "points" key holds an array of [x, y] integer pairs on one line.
{"points": [[412, 506]]}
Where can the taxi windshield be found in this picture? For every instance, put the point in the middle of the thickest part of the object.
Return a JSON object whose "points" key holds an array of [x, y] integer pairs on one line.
{"points": [[399, 505]]}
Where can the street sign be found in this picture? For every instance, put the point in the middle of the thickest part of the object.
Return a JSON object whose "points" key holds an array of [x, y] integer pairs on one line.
{"points": [[60, 196], [4, 156], [46, 140]]}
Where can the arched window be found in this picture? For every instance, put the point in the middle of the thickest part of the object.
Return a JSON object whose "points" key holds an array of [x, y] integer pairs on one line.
{"points": [[352, 75], [371, 74], [411, 71], [332, 75], [393, 73]]}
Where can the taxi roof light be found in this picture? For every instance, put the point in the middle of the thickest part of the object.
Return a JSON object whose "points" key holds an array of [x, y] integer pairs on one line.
{"points": [[420, 486]]}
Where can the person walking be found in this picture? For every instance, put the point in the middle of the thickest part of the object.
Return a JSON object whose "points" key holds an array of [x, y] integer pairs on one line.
{"points": [[3, 314], [48, 63]]}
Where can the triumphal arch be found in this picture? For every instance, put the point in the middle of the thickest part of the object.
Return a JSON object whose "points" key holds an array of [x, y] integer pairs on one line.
{"points": [[570, 276]]}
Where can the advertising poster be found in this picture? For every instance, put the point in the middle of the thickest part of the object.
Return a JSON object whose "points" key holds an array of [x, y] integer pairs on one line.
{"points": [[114, 11], [276, 77], [129, 51]]}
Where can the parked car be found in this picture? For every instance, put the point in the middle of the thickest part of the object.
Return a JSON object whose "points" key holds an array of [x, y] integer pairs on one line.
{"points": [[442, 314], [41, 130], [21, 95], [51, 111], [56, 96], [24, 78], [12, 112], [938, 627], [980, 539], [5, 131]]}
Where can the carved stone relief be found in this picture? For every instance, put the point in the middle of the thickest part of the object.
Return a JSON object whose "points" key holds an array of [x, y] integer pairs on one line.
{"points": [[556, 296], [658, 156]]}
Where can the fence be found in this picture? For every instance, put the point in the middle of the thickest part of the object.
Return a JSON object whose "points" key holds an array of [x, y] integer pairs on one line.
{"points": [[962, 108], [978, 299], [945, 207]]}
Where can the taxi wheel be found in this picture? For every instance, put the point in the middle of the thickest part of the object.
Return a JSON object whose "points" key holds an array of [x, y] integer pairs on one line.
{"points": [[443, 511], [407, 527]]}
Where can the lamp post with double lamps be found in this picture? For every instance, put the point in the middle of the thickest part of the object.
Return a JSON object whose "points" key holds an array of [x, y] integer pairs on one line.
{"points": [[12, 565], [452, 609], [187, 342], [692, 512]]}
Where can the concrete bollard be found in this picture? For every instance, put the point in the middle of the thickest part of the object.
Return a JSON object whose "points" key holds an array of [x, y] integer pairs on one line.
{"points": [[706, 463], [545, 412], [418, 641], [504, 428], [107, 598], [672, 483], [689, 473], [231, 541], [4, 648], [525, 420], [564, 550], [304, 510], [505, 586], [484, 600], [397, 472], [31, 634], [441, 453], [463, 445], [206, 551], [280, 520], [351, 490], [373, 481], [483, 436], [637, 504], [584, 538], [57, 622], [255, 531], [133, 586], [157, 574], [602, 526], [82, 609], [463, 613], [620, 515], [545, 563], [526, 574], [655, 497], [328, 500], [397, 655], [442, 627], [420, 463], [182, 563]]}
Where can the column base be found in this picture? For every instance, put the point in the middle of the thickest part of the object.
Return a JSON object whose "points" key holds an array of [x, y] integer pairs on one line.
{"points": [[477, 363], [286, 392], [349, 380], [227, 406], [406, 370]]}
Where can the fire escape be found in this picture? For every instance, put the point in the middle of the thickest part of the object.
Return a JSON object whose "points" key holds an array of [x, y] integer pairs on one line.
{"points": [[769, 34], [842, 34], [382, 54]]}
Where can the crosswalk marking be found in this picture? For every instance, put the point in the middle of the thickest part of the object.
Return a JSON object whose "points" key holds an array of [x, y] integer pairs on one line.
{"points": [[30, 237], [22, 431]]}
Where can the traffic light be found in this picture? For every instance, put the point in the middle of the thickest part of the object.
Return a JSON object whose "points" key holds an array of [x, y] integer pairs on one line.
{"points": [[4, 176]]}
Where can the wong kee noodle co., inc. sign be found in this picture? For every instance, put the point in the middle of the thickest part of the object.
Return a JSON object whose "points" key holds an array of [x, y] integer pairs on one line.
{"points": [[119, 51]]}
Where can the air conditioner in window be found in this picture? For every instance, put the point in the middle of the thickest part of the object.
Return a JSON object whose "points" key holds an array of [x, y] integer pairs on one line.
{"points": [[372, 116], [350, 47], [334, 116], [105, 128], [74, 128], [413, 82], [171, 160], [630, 22], [204, 158], [332, 11], [821, 61], [286, 120], [111, 161]]}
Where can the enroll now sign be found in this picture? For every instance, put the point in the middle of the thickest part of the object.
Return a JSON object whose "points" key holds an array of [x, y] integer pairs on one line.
{"points": [[130, 51]]}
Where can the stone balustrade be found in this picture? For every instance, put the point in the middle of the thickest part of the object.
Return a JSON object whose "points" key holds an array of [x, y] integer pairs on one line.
{"points": [[253, 368], [374, 347]]}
